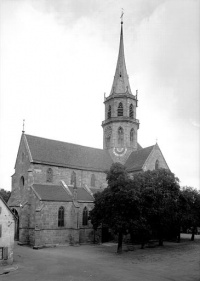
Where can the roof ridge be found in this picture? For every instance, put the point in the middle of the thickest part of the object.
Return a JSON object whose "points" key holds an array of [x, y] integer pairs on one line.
{"points": [[64, 142]]}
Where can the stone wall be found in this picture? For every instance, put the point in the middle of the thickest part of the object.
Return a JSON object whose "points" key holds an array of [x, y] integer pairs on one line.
{"points": [[60, 173], [7, 230], [156, 154]]}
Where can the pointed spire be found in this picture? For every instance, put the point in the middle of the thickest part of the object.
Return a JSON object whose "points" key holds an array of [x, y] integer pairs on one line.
{"points": [[121, 82], [23, 130]]}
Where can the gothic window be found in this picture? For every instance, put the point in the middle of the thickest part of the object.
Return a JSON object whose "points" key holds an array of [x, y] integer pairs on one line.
{"points": [[131, 111], [157, 164], [85, 216], [131, 135], [21, 181], [73, 178], [93, 179], [61, 212], [120, 110], [49, 175], [109, 112], [120, 136]]}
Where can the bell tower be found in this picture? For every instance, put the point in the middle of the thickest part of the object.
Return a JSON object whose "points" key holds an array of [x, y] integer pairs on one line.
{"points": [[120, 125]]}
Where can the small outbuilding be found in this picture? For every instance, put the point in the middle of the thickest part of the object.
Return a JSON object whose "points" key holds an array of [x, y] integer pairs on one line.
{"points": [[7, 231]]}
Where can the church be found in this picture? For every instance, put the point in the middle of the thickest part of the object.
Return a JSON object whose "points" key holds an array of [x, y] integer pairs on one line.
{"points": [[54, 181]]}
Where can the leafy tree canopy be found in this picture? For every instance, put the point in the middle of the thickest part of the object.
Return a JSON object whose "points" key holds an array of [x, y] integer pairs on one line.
{"points": [[5, 194]]}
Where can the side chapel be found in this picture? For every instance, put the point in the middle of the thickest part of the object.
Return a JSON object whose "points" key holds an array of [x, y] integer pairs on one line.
{"points": [[54, 181]]}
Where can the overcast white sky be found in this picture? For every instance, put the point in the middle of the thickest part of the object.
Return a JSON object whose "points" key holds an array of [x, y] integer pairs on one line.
{"points": [[58, 57]]}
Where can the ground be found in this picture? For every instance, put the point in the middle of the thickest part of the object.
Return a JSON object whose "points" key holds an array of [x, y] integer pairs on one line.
{"points": [[172, 262]]}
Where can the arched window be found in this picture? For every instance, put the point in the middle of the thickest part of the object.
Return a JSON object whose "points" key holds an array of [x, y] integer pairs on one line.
{"points": [[131, 111], [120, 136], [120, 110], [85, 216], [61, 212], [49, 175], [109, 112], [157, 165], [131, 135], [73, 178], [22, 181], [93, 179]]}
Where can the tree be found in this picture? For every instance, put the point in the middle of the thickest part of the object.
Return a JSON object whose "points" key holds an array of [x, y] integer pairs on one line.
{"points": [[159, 193], [117, 205], [190, 209], [5, 194]]}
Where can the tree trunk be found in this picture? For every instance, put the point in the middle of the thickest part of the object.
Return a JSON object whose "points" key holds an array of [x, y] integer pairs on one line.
{"points": [[120, 238], [192, 237], [142, 245], [179, 235], [160, 238], [160, 242]]}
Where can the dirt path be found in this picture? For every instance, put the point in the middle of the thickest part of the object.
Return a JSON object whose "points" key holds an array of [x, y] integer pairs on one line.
{"points": [[100, 262]]}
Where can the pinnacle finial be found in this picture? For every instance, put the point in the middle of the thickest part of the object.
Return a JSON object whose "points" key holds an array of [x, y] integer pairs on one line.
{"points": [[122, 14], [23, 131]]}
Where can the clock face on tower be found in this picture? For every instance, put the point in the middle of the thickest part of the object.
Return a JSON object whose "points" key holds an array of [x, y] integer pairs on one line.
{"points": [[119, 151]]}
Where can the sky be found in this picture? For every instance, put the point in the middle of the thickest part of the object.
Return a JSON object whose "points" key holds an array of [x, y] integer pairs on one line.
{"points": [[58, 58]]}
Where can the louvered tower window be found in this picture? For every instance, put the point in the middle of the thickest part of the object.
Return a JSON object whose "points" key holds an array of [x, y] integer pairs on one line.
{"points": [[131, 111], [61, 212], [109, 112], [120, 110]]}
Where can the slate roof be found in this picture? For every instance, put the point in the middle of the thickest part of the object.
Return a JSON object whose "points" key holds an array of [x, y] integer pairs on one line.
{"points": [[51, 192], [58, 193], [63, 154], [137, 158], [82, 194], [70, 155]]}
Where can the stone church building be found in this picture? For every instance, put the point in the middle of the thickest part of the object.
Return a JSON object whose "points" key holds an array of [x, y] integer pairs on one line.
{"points": [[54, 181]]}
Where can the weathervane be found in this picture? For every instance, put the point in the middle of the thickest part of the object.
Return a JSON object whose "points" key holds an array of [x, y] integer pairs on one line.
{"points": [[122, 15], [23, 126]]}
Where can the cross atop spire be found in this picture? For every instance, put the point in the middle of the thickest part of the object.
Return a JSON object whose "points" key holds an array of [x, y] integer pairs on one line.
{"points": [[122, 16], [121, 81]]}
